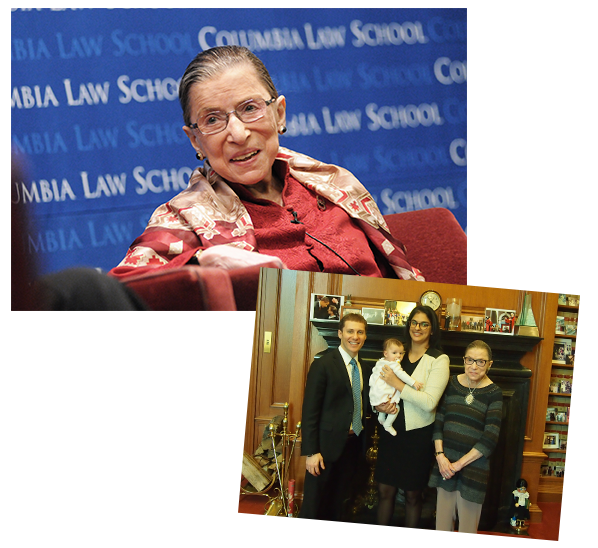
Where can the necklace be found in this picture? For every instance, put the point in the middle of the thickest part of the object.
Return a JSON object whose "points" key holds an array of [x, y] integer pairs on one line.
{"points": [[470, 397]]}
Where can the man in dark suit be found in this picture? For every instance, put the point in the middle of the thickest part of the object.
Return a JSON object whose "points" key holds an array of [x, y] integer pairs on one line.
{"points": [[321, 308], [333, 421]]}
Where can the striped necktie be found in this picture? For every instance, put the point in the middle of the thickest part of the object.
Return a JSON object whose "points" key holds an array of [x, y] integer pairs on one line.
{"points": [[356, 382]]}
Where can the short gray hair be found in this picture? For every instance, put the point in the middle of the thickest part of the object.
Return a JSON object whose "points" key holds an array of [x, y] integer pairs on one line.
{"points": [[482, 346], [214, 61]]}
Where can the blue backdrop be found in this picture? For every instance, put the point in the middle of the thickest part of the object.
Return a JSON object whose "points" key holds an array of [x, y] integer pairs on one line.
{"points": [[97, 123]]}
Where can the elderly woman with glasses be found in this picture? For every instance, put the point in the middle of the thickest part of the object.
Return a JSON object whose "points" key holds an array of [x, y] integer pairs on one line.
{"points": [[465, 434], [404, 460], [252, 201]]}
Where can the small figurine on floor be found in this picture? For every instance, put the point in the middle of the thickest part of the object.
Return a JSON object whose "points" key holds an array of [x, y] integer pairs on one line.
{"points": [[520, 507]]}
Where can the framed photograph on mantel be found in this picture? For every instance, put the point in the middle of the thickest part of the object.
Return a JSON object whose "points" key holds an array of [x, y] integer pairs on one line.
{"points": [[501, 322], [373, 315], [397, 312], [470, 322], [478, 271], [350, 310], [326, 307]]}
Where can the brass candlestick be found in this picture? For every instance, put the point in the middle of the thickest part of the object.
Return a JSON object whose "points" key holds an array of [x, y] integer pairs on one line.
{"points": [[278, 506], [370, 498]]}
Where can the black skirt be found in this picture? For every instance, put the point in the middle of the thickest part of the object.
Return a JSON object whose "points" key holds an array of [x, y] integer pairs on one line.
{"points": [[405, 460]]}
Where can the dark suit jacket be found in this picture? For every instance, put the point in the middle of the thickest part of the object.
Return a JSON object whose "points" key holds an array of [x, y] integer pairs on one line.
{"points": [[328, 406]]}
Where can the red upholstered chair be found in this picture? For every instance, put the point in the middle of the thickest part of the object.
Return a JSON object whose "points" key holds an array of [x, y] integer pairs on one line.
{"points": [[198, 288], [435, 242]]}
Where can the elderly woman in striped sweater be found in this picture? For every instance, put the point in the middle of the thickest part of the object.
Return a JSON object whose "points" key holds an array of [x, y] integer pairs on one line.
{"points": [[466, 432]]}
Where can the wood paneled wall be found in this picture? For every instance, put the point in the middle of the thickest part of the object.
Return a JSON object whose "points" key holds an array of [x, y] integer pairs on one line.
{"points": [[278, 376]]}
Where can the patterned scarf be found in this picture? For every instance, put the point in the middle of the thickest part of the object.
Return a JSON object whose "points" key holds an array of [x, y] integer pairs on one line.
{"points": [[208, 213]]}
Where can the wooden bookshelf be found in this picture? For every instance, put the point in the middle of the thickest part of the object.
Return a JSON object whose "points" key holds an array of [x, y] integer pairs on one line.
{"points": [[550, 487]]}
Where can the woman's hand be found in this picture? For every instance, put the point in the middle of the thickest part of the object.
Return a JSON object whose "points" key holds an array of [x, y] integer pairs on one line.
{"points": [[457, 466], [388, 408], [446, 467], [389, 377], [229, 257]]}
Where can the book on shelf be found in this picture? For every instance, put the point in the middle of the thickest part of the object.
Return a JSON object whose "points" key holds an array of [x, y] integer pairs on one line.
{"points": [[562, 349]]}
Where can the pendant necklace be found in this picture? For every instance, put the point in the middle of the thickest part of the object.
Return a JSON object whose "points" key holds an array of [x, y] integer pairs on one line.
{"points": [[470, 397]]}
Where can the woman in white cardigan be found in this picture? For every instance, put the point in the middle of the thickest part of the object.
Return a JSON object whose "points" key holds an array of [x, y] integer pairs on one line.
{"points": [[404, 461]]}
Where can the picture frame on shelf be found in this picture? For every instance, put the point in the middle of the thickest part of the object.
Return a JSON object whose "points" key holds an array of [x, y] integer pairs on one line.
{"points": [[573, 300], [326, 307], [500, 321], [397, 312], [559, 351], [560, 325], [470, 322], [571, 329], [555, 385], [350, 310], [551, 441], [551, 414], [563, 471], [561, 417], [374, 316]]}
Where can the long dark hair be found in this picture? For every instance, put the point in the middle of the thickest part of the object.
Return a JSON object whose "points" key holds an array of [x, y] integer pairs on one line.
{"points": [[434, 326]]}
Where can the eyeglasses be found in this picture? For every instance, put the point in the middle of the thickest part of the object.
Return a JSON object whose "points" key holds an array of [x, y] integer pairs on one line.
{"points": [[216, 121], [423, 325], [471, 361]]}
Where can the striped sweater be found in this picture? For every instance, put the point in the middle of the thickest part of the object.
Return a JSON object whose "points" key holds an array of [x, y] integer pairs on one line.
{"points": [[462, 427]]}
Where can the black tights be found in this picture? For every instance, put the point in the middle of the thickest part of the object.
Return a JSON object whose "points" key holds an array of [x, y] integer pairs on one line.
{"points": [[386, 505]]}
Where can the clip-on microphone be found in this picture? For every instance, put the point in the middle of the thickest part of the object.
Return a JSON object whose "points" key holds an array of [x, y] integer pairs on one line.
{"points": [[296, 221]]}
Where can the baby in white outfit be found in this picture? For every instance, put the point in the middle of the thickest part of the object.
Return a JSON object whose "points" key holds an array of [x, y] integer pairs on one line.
{"points": [[382, 392]]}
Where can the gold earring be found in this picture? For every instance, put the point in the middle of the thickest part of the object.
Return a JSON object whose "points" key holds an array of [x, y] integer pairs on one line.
{"points": [[199, 156]]}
